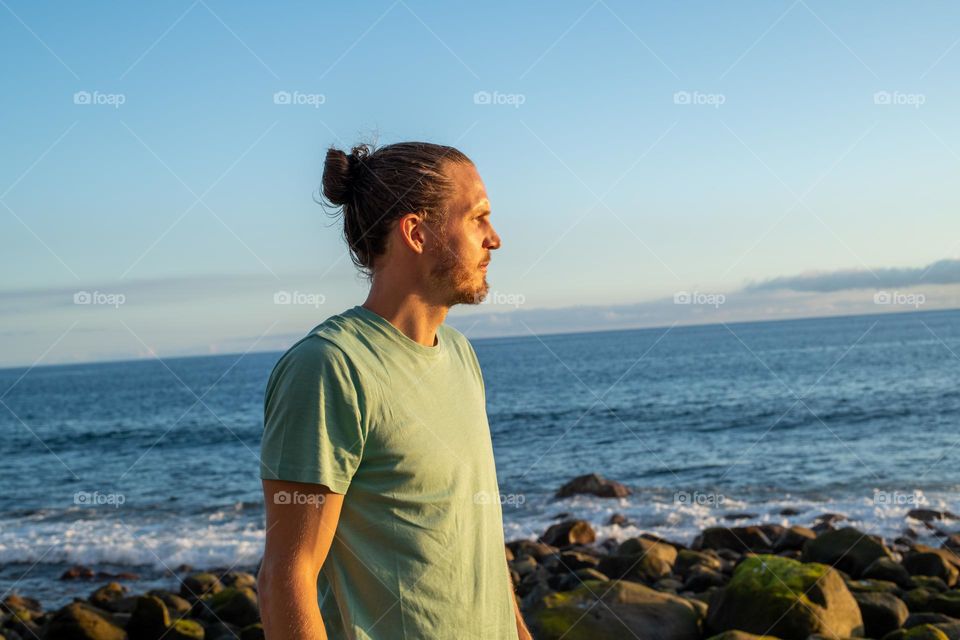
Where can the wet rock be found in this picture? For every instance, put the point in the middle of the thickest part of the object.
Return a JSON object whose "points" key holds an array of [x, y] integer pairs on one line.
{"points": [[846, 549], [593, 484]]}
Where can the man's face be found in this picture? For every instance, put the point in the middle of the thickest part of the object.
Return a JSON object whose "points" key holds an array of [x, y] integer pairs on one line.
{"points": [[459, 273]]}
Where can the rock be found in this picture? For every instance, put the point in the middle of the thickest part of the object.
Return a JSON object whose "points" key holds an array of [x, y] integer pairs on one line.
{"points": [[740, 516], [738, 539], [569, 532], [573, 560], [866, 585], [221, 631], [947, 603], [918, 599], [14, 603], [785, 598], [640, 559], [149, 620], [81, 621], [926, 617], [524, 565], [184, 629], [928, 515], [846, 549], [881, 612], [887, 569], [701, 578], [239, 579], [594, 484], [933, 562], [252, 632], [106, 596], [175, 604], [740, 635], [619, 520], [793, 539], [199, 584], [615, 610], [531, 548], [687, 560], [77, 572], [932, 583], [923, 632], [789, 511], [950, 629], [236, 606]]}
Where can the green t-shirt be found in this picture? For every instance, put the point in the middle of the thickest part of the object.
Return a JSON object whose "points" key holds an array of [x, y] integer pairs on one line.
{"points": [[401, 430]]}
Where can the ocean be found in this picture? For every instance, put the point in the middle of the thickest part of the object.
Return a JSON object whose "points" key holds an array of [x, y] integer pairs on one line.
{"points": [[144, 466]]}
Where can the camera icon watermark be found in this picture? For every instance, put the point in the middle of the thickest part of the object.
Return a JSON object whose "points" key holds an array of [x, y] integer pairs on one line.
{"points": [[699, 298], [314, 100], [97, 499], [898, 499], [698, 498], [96, 98], [899, 298], [514, 500], [698, 98], [99, 298], [515, 100], [298, 498], [299, 298], [899, 98]]}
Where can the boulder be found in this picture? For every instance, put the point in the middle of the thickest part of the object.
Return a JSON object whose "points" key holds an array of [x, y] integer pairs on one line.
{"points": [[887, 569], [199, 584], [613, 610], [846, 549], [593, 484], [81, 621], [639, 559], [881, 612], [793, 539], [737, 539], [938, 563], [149, 620], [785, 598], [236, 606], [568, 533]]}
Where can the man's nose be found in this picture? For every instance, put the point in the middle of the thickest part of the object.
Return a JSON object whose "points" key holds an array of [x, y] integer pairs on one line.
{"points": [[493, 242]]}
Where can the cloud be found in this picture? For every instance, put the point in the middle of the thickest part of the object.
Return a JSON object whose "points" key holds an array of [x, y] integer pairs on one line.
{"points": [[940, 272]]}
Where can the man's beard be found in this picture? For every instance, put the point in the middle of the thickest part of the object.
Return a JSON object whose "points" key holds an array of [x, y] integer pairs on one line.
{"points": [[456, 282]]}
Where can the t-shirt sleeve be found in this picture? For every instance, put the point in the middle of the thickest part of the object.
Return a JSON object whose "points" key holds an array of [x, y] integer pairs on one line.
{"points": [[314, 425]]}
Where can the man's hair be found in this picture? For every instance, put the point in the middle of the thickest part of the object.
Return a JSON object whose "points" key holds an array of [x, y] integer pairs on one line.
{"points": [[375, 187]]}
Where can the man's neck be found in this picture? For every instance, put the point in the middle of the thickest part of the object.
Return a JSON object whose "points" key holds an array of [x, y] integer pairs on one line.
{"points": [[409, 312]]}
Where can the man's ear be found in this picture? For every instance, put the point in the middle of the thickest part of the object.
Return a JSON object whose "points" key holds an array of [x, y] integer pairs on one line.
{"points": [[413, 231]]}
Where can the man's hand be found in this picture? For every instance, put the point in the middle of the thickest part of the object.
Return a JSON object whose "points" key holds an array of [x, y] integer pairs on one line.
{"points": [[301, 521]]}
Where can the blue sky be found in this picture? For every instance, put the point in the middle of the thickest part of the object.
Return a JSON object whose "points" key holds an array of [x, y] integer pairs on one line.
{"points": [[162, 158]]}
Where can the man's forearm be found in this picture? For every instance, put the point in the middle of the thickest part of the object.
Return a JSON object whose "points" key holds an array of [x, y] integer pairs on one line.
{"points": [[288, 607]]}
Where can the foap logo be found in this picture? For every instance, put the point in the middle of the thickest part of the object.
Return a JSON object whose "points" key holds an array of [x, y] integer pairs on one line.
{"points": [[99, 298], [97, 98], [714, 100], [699, 298], [514, 100], [698, 498], [514, 300], [299, 297], [898, 298], [297, 98], [298, 498], [97, 499], [899, 98], [898, 498], [504, 499]]}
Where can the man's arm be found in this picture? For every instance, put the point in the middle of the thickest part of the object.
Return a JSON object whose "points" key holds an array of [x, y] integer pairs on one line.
{"points": [[301, 521]]}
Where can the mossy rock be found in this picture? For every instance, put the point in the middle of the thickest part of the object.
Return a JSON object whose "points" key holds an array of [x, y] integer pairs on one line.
{"points": [[236, 606], [600, 611], [149, 620], [199, 584], [925, 632], [947, 603], [786, 598], [81, 621], [872, 586], [184, 629], [848, 550]]}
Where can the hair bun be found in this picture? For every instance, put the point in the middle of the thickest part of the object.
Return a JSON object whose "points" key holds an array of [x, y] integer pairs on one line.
{"points": [[340, 172]]}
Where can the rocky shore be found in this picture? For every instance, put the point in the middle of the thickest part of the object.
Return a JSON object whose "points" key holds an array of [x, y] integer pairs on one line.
{"points": [[827, 580]]}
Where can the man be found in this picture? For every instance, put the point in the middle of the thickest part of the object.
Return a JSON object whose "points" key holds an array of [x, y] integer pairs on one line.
{"points": [[377, 465]]}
